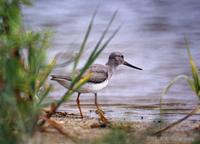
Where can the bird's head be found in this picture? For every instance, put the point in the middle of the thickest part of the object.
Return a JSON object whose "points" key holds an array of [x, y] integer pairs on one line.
{"points": [[116, 58]]}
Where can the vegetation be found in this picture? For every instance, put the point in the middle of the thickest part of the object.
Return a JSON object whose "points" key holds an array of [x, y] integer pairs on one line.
{"points": [[194, 84], [24, 71], [116, 136], [21, 75]]}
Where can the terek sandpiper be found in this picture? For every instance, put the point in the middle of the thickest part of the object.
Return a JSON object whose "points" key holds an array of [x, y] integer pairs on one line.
{"points": [[101, 75]]}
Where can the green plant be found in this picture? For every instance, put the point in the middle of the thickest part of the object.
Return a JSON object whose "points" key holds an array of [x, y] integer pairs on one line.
{"points": [[23, 73], [116, 136], [122, 133], [194, 84]]}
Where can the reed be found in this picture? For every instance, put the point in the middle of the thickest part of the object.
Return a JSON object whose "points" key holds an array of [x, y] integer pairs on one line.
{"points": [[193, 82]]}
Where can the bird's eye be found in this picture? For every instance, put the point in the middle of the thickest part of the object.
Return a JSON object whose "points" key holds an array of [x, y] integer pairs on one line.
{"points": [[122, 56]]}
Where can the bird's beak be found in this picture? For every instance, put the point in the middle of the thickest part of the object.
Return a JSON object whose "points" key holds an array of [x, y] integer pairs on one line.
{"points": [[130, 65]]}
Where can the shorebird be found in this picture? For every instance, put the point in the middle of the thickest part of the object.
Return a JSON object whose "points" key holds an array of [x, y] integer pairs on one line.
{"points": [[100, 77]]}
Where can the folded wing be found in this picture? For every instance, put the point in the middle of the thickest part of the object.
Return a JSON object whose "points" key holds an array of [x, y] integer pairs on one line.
{"points": [[99, 74]]}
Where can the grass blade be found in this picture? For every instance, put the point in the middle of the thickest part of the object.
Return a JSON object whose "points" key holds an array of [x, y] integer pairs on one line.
{"points": [[94, 52], [170, 85], [195, 110], [44, 95], [103, 35], [106, 43], [194, 69], [77, 59]]}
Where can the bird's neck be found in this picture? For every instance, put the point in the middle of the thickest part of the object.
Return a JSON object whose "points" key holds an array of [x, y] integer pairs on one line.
{"points": [[111, 67]]}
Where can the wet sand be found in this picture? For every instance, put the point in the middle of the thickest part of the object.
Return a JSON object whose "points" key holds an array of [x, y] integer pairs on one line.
{"points": [[81, 131]]}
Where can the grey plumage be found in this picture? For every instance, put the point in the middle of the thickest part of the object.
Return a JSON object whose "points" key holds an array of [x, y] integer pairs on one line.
{"points": [[99, 74]]}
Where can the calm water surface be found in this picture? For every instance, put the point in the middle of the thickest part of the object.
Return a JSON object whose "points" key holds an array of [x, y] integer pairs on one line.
{"points": [[152, 37]]}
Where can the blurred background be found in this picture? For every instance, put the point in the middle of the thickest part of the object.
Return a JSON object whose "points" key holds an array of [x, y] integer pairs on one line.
{"points": [[152, 37]]}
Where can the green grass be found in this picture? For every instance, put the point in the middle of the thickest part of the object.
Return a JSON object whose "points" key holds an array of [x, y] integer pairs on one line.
{"points": [[123, 133], [116, 136], [22, 78], [193, 82]]}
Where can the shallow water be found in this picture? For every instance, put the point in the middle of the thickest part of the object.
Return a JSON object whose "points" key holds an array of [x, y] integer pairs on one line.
{"points": [[152, 37]]}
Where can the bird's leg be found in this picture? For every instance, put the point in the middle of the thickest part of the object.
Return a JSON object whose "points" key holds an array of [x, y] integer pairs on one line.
{"points": [[97, 106], [78, 104], [99, 111]]}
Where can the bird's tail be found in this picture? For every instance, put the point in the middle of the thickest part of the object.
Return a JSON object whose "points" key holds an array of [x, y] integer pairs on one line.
{"points": [[63, 80]]}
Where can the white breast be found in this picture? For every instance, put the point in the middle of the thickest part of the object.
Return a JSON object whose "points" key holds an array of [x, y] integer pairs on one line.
{"points": [[87, 87], [93, 87]]}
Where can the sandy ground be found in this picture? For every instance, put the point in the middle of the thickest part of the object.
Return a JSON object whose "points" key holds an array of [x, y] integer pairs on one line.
{"points": [[80, 131]]}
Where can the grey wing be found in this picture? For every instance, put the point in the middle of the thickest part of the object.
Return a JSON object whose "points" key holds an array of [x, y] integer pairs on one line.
{"points": [[66, 76], [99, 73]]}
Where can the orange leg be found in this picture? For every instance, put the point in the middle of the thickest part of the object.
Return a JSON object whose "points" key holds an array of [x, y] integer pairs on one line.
{"points": [[99, 111], [78, 104]]}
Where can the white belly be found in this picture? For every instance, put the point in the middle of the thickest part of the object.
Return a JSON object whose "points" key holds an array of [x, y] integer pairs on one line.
{"points": [[87, 87]]}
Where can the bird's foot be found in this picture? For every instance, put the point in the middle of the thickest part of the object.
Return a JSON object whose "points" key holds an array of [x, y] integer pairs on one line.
{"points": [[99, 111], [102, 117]]}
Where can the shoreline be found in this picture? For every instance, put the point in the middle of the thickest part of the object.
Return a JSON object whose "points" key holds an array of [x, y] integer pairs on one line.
{"points": [[141, 132]]}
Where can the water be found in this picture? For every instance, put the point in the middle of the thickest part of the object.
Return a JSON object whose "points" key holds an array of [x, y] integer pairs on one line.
{"points": [[152, 37]]}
